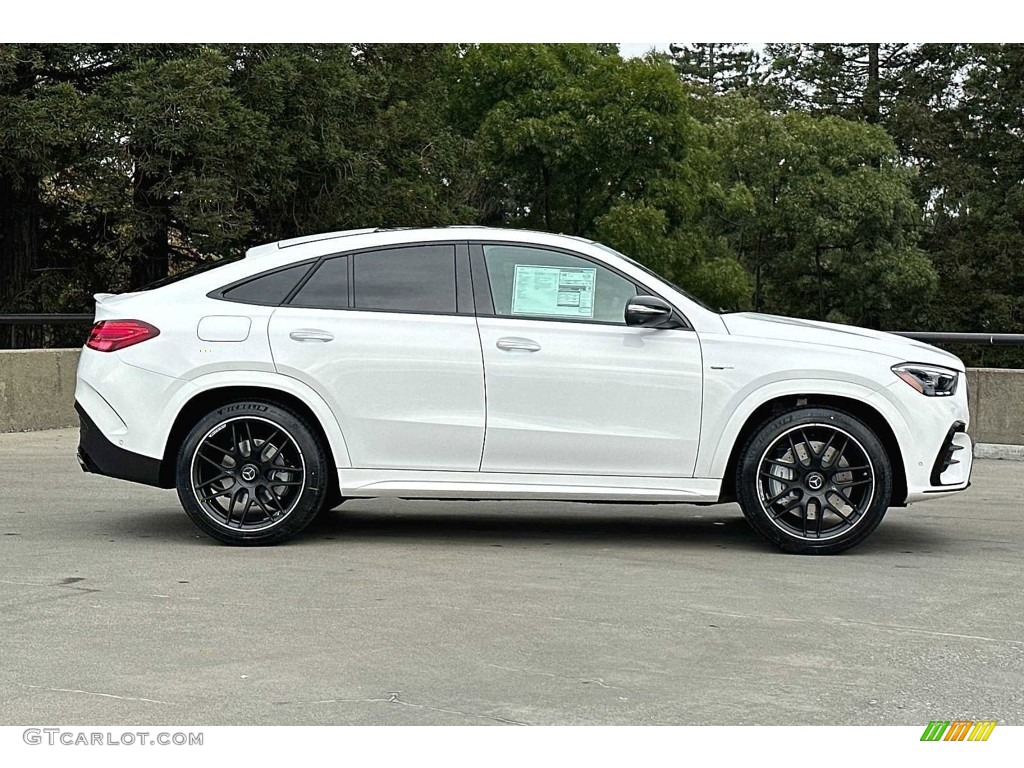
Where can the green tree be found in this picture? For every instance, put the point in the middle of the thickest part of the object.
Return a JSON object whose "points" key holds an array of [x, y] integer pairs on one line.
{"points": [[573, 139], [357, 137], [716, 67], [853, 80], [821, 213], [183, 149], [975, 203], [42, 132]]}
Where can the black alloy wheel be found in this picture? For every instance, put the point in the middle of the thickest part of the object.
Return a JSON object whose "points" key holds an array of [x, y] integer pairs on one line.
{"points": [[814, 481], [252, 473]]}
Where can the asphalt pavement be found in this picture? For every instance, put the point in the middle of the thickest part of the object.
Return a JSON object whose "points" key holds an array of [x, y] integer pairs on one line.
{"points": [[115, 610]]}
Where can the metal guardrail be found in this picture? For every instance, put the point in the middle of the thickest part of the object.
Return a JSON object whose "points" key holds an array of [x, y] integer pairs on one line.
{"points": [[44, 320], [984, 339], [34, 330]]}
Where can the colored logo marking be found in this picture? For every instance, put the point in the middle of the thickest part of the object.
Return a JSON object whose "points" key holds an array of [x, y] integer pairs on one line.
{"points": [[958, 730]]}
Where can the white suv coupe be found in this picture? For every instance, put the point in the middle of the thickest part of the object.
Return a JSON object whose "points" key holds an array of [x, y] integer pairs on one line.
{"points": [[477, 363]]}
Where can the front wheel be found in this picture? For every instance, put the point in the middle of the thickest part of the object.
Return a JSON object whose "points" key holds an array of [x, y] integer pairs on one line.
{"points": [[814, 481], [252, 473]]}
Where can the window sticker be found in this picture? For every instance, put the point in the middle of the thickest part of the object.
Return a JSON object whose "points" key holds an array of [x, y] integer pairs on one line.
{"points": [[559, 291]]}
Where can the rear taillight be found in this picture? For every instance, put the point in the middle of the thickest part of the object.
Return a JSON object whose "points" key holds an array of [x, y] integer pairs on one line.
{"points": [[112, 335]]}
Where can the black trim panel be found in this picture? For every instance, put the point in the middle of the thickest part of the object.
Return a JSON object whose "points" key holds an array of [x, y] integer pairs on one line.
{"points": [[463, 280], [481, 282], [944, 460], [99, 456]]}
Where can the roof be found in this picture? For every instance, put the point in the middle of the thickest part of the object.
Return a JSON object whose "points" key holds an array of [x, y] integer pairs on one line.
{"points": [[260, 250]]}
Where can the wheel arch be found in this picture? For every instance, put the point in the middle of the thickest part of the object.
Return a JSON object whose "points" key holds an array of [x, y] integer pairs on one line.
{"points": [[206, 400], [866, 413]]}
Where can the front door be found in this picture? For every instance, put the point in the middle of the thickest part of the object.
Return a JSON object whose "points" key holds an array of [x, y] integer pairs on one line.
{"points": [[570, 388]]}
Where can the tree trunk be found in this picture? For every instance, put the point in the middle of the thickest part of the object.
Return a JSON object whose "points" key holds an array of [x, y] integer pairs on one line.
{"points": [[19, 237], [872, 92], [821, 284], [151, 252], [546, 175], [19, 209]]}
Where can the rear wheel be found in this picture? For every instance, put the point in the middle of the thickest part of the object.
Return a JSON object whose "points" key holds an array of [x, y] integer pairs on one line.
{"points": [[252, 473], [814, 481]]}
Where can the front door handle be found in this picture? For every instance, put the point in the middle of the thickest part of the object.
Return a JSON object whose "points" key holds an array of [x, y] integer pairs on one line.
{"points": [[310, 334], [517, 344]]}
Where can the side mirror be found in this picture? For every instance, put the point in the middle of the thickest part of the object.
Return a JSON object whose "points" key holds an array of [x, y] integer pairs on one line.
{"points": [[650, 312]]}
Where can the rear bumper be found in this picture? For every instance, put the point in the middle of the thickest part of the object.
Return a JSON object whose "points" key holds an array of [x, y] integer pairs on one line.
{"points": [[96, 454]]}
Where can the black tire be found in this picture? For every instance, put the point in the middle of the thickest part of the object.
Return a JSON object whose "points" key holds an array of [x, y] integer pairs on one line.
{"points": [[257, 462], [831, 497]]}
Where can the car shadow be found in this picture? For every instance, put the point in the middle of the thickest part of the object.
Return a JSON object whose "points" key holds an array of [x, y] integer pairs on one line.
{"points": [[501, 523], [508, 523]]}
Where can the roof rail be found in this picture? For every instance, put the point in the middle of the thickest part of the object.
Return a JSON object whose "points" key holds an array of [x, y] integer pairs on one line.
{"points": [[262, 250]]}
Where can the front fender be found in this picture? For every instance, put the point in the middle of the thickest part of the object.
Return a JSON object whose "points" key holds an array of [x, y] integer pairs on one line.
{"points": [[718, 438]]}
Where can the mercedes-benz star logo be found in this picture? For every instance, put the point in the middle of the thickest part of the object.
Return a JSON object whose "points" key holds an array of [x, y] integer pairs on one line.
{"points": [[815, 481], [249, 473]]}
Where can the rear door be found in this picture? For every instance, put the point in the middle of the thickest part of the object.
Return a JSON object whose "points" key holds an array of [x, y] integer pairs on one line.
{"points": [[388, 339]]}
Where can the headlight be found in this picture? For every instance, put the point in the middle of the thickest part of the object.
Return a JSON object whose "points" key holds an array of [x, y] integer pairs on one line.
{"points": [[930, 380]]}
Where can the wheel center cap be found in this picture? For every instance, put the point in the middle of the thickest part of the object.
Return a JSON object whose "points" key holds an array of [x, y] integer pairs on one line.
{"points": [[815, 481], [249, 473]]}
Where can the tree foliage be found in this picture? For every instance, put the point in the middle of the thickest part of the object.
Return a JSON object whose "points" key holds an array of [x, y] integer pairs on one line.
{"points": [[874, 183], [717, 67]]}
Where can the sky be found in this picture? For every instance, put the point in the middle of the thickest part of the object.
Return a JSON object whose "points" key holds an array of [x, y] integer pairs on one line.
{"points": [[632, 50]]}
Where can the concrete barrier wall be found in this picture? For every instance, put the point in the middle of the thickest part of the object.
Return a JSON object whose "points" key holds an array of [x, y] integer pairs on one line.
{"points": [[996, 400], [37, 391]]}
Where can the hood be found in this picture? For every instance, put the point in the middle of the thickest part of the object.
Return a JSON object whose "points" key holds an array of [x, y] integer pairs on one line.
{"points": [[758, 326]]}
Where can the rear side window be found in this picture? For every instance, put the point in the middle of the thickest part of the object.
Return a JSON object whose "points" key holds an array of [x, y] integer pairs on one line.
{"points": [[415, 279], [269, 289], [327, 288]]}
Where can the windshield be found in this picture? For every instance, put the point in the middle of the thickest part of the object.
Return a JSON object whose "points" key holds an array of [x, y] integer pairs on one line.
{"points": [[652, 273]]}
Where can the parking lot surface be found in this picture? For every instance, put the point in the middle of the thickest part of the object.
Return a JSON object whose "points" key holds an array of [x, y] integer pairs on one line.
{"points": [[115, 610]]}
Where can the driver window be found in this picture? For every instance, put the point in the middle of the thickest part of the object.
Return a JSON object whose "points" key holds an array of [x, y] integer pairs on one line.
{"points": [[541, 284]]}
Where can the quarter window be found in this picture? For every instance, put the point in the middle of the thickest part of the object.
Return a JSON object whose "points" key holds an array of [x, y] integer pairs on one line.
{"points": [[269, 289], [534, 282], [327, 288], [414, 279]]}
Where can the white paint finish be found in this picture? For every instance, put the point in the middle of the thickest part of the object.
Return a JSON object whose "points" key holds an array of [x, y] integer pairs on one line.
{"points": [[511, 485], [590, 399], [232, 328], [408, 390], [405, 393], [921, 424], [140, 399], [104, 417], [741, 374], [178, 351], [270, 381], [750, 325]]}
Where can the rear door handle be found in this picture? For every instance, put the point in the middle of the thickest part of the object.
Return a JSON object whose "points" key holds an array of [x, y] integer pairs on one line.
{"points": [[310, 334], [517, 344]]}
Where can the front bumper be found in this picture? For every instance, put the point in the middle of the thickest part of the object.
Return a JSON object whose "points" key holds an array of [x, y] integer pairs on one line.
{"points": [[96, 454], [950, 468], [931, 433]]}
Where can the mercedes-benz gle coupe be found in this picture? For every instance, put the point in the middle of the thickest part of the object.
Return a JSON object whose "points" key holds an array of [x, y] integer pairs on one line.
{"points": [[478, 363]]}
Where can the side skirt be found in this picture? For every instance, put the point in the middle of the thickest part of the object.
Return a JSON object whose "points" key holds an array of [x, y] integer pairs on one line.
{"points": [[370, 483]]}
